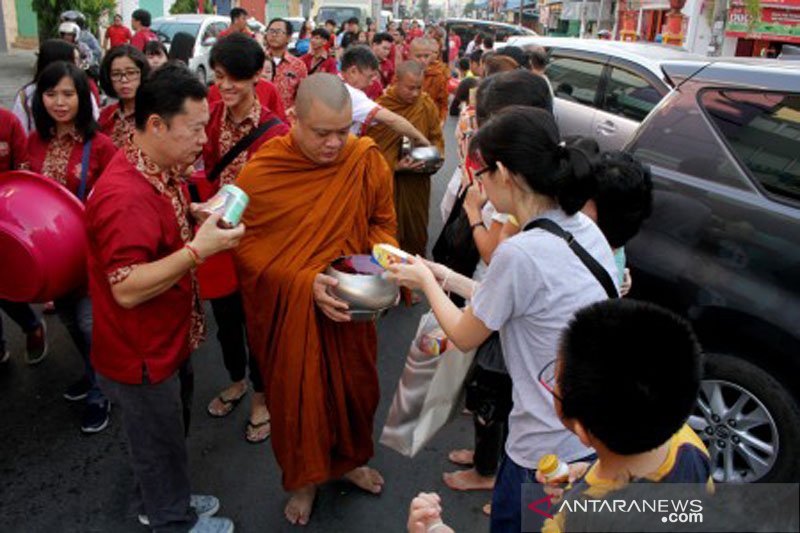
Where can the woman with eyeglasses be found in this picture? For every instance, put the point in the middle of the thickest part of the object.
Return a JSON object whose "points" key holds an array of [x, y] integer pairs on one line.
{"points": [[534, 285], [123, 70], [67, 147]]}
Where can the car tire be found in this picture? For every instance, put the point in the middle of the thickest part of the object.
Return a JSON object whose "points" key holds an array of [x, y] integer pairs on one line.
{"points": [[749, 422], [201, 75]]}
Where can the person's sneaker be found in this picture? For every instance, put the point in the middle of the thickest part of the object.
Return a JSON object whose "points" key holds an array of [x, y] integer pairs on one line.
{"points": [[213, 524], [36, 345], [95, 417], [78, 390], [204, 505]]}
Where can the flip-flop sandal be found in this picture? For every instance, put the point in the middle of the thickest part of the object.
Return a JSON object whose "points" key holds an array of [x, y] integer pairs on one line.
{"points": [[251, 427], [229, 403], [453, 457]]}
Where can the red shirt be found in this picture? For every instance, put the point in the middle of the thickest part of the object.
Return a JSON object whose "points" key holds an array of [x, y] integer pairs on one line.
{"points": [[118, 35], [131, 222], [375, 90], [267, 95], [119, 128], [286, 76], [315, 66], [229, 30], [142, 37], [13, 142], [387, 69], [60, 158]]}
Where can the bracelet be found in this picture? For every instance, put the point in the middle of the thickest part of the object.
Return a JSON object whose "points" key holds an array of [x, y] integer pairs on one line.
{"points": [[196, 259], [476, 225]]}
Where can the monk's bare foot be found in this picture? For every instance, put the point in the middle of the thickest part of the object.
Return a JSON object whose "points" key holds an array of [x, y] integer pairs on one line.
{"points": [[298, 508], [487, 509], [366, 478], [468, 480], [462, 457]]}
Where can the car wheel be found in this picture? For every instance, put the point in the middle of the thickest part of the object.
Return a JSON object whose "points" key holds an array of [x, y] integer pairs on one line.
{"points": [[748, 421], [201, 75]]}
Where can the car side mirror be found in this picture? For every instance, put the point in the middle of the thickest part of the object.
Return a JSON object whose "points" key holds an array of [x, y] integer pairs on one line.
{"points": [[209, 41]]}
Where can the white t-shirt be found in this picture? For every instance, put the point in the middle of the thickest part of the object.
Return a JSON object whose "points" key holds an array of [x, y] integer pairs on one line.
{"points": [[533, 287], [364, 109]]}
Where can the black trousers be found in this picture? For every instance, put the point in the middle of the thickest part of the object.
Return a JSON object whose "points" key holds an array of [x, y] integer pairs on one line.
{"points": [[490, 440], [232, 337], [153, 419]]}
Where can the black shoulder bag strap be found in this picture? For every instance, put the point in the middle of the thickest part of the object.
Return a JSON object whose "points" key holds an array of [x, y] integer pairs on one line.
{"points": [[243, 144], [600, 273]]}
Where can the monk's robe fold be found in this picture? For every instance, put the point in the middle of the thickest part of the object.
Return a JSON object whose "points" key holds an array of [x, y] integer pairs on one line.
{"points": [[437, 74], [320, 377], [412, 190]]}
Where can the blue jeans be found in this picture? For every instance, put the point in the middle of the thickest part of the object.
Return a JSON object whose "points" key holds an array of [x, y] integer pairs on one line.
{"points": [[75, 312], [507, 496], [22, 314]]}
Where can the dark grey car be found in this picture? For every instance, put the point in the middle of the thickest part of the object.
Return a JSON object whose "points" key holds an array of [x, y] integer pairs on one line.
{"points": [[723, 248]]}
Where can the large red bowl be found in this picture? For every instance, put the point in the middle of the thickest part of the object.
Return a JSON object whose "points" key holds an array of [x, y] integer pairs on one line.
{"points": [[43, 243]]}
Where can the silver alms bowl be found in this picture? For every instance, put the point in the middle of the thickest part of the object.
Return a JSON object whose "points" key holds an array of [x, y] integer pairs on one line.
{"points": [[362, 285], [428, 154]]}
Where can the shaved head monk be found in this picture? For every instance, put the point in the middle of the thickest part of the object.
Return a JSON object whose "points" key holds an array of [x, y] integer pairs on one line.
{"points": [[425, 51], [315, 194], [412, 187]]}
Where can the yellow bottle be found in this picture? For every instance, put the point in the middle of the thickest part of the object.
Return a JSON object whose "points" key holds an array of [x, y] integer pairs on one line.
{"points": [[554, 470]]}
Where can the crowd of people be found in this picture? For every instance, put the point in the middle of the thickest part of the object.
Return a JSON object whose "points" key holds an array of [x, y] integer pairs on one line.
{"points": [[318, 143]]}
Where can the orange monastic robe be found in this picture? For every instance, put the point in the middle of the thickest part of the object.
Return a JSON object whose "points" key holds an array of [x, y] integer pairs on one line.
{"points": [[437, 74], [320, 377]]}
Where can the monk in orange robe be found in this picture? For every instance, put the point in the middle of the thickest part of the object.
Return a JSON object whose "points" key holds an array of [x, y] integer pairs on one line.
{"points": [[412, 187], [315, 194], [427, 53]]}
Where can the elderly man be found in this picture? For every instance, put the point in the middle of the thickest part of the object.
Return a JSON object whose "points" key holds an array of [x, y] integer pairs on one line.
{"points": [[315, 194], [426, 52], [282, 68], [412, 188]]}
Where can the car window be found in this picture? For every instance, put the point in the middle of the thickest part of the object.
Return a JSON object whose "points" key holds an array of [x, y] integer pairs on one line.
{"points": [[213, 30], [763, 131], [575, 79], [629, 95], [166, 30]]}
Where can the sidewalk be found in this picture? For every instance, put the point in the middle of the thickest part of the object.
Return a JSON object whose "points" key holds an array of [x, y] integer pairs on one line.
{"points": [[16, 69]]}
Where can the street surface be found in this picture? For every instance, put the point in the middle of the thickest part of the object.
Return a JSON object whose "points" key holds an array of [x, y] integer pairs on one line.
{"points": [[54, 479]]}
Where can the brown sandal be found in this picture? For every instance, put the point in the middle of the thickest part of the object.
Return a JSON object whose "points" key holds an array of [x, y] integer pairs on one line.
{"points": [[229, 404], [253, 427]]}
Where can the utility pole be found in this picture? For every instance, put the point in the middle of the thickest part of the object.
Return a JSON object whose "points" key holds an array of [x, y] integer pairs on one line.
{"points": [[718, 28]]}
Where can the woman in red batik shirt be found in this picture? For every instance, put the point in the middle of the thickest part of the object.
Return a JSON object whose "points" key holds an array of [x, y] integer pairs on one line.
{"points": [[121, 73], [67, 148]]}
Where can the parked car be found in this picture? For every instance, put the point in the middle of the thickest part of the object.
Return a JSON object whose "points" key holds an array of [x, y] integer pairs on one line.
{"points": [[466, 29], [604, 89], [722, 248], [204, 29]]}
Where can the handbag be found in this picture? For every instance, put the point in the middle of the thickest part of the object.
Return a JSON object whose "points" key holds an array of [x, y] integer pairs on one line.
{"points": [[428, 395], [488, 387]]}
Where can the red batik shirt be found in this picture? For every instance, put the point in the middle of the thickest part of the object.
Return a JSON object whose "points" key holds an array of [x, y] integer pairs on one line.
{"points": [[387, 69], [118, 126], [265, 91], [60, 158], [138, 214], [316, 65], [286, 75], [223, 134], [13, 142]]}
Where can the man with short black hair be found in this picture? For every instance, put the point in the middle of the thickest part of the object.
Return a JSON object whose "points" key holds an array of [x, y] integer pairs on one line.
{"points": [[475, 65], [117, 34], [350, 35], [146, 310], [238, 23], [319, 58], [283, 69], [382, 47], [359, 68], [140, 22]]}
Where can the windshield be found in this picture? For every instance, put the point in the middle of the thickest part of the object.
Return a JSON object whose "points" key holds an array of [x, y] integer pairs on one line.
{"points": [[166, 29], [339, 14]]}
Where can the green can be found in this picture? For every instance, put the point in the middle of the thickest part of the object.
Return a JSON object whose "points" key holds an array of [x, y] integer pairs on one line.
{"points": [[236, 201]]}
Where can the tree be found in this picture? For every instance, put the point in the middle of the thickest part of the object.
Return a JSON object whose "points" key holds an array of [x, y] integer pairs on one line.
{"points": [[48, 11], [190, 6], [469, 8], [423, 9]]}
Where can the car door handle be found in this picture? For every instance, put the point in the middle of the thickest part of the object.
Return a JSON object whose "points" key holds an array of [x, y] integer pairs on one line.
{"points": [[606, 128]]}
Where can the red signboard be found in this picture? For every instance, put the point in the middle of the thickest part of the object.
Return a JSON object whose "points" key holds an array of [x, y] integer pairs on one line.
{"points": [[775, 24]]}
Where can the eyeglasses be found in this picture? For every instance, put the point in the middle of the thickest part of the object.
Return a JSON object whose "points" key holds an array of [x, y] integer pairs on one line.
{"points": [[276, 31], [477, 174], [130, 75], [547, 378]]}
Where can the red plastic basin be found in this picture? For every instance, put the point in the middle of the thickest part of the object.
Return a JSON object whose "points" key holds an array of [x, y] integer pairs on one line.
{"points": [[43, 244]]}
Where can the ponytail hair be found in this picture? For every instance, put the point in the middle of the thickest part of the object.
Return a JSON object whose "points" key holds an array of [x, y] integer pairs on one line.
{"points": [[526, 141]]}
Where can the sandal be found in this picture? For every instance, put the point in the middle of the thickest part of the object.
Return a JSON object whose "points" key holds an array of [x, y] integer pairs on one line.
{"points": [[252, 428], [229, 404]]}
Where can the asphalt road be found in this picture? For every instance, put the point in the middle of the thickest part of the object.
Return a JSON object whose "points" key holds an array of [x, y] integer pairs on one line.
{"points": [[53, 478]]}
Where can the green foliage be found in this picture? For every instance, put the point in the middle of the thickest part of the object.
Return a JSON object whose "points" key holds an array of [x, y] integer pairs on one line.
{"points": [[190, 6], [469, 8], [423, 9], [753, 8], [47, 11]]}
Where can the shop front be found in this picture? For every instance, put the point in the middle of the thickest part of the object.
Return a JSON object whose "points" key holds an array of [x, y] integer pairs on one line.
{"points": [[778, 25]]}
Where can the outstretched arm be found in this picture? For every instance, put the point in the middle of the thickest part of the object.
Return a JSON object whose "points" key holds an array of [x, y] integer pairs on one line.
{"points": [[401, 126]]}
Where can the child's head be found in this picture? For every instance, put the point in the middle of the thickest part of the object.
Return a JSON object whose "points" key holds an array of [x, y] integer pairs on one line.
{"points": [[463, 65], [627, 375]]}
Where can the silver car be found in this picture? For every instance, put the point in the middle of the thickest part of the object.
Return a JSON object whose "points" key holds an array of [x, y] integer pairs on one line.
{"points": [[204, 28], [604, 89]]}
